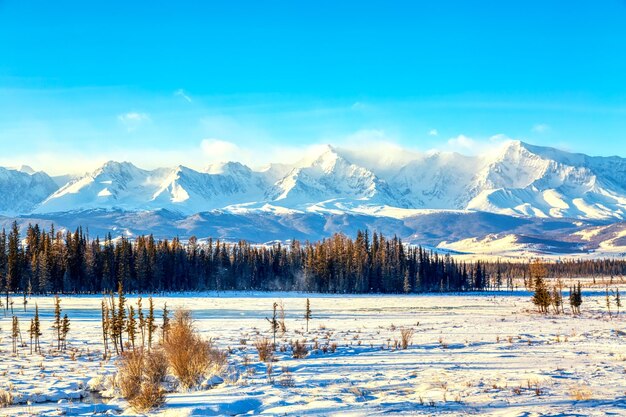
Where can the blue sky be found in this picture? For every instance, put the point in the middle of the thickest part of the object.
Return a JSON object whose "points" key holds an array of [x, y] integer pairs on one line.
{"points": [[163, 83]]}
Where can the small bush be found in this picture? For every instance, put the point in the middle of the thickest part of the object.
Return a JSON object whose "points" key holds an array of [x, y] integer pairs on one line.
{"points": [[406, 337], [188, 355], [265, 350], [299, 349], [6, 398], [581, 393], [150, 396], [139, 378], [129, 374]]}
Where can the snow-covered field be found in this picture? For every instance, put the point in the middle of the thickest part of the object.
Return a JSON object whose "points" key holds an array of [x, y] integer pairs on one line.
{"points": [[474, 354]]}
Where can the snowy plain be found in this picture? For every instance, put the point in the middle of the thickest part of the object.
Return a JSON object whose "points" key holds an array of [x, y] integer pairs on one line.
{"points": [[471, 354]]}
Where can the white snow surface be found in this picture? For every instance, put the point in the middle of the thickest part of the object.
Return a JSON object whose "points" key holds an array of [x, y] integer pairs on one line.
{"points": [[474, 354]]}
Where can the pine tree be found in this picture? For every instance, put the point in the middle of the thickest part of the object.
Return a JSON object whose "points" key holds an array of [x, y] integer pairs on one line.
{"points": [[166, 321], [15, 332], [151, 327], [307, 314], [57, 320], [131, 326], [65, 329], [31, 333], [105, 328], [14, 261], [37, 329], [608, 302], [618, 301], [142, 322], [541, 298], [559, 284], [113, 324], [576, 298], [121, 314], [557, 300], [406, 285]]}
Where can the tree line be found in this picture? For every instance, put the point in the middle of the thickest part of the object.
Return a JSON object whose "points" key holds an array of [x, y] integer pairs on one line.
{"points": [[52, 261]]}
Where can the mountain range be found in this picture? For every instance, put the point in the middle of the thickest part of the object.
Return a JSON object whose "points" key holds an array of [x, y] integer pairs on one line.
{"points": [[524, 197]]}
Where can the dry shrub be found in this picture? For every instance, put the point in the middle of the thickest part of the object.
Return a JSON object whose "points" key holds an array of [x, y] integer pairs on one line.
{"points": [[299, 349], [581, 393], [6, 398], [265, 349], [155, 366], [129, 374], [139, 378], [406, 337], [188, 355], [150, 396]]}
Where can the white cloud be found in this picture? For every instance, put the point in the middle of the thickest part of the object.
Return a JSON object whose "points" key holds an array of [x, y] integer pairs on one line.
{"points": [[217, 150], [500, 138], [182, 93], [462, 142], [132, 120], [433, 132], [540, 128]]}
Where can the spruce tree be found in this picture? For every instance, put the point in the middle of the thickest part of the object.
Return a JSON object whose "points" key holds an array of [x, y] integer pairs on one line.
{"points": [[307, 314], [541, 298], [151, 327], [37, 329], [406, 286], [131, 326], [121, 314], [57, 320], [105, 328], [31, 333], [575, 298], [556, 299], [113, 324], [15, 332], [142, 322], [166, 321], [618, 301], [65, 329]]}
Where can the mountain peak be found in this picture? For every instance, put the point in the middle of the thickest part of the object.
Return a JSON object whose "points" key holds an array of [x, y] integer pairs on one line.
{"points": [[227, 168], [26, 169]]}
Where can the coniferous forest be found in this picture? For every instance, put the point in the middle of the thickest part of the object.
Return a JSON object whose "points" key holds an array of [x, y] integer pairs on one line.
{"points": [[40, 262]]}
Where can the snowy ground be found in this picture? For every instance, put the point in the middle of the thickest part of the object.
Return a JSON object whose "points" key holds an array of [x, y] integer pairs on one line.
{"points": [[481, 354]]}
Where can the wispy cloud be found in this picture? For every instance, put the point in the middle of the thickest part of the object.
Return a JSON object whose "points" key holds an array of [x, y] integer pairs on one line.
{"points": [[433, 132], [467, 145], [132, 120], [182, 93], [540, 128]]}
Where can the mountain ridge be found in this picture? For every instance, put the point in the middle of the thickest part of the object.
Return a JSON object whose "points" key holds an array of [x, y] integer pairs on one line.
{"points": [[517, 179]]}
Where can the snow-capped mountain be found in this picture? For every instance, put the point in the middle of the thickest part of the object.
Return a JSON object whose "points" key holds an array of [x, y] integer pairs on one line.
{"points": [[523, 197], [124, 186], [535, 181], [518, 179], [330, 178], [21, 190]]}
